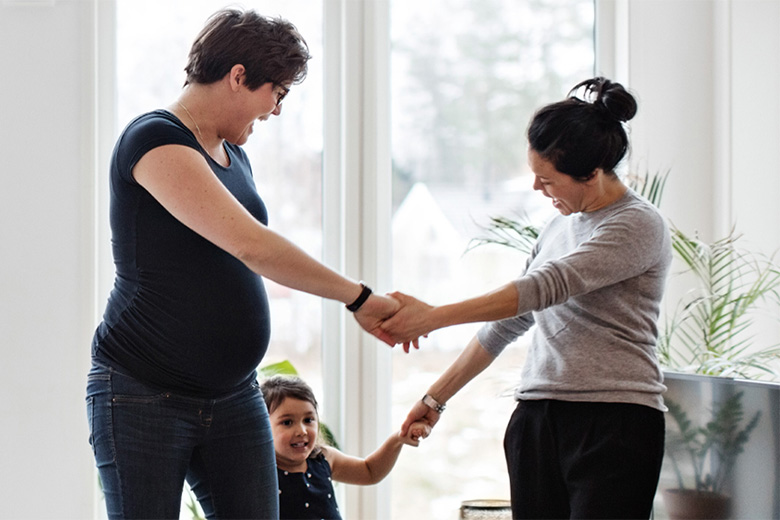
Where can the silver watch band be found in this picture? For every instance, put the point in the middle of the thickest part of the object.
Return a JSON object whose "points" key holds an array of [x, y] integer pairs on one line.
{"points": [[430, 402]]}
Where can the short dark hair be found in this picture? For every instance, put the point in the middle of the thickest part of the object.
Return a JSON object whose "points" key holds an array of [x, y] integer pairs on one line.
{"points": [[278, 388], [585, 131], [271, 49]]}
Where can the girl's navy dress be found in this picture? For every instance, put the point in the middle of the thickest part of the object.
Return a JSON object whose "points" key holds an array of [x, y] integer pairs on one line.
{"points": [[308, 495]]}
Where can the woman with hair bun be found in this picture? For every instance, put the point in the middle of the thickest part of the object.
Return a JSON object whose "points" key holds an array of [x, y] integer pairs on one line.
{"points": [[587, 437]]}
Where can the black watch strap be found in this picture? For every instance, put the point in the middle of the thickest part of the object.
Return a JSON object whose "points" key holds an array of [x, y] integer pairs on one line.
{"points": [[364, 294]]}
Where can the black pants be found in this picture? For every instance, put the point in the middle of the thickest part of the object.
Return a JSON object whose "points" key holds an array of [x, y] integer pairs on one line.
{"points": [[583, 460]]}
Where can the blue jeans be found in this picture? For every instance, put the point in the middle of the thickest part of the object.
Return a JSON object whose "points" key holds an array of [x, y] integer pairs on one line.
{"points": [[147, 440]]}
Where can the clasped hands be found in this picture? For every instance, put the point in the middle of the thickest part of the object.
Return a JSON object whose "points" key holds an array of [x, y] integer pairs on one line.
{"points": [[399, 318], [396, 318]]}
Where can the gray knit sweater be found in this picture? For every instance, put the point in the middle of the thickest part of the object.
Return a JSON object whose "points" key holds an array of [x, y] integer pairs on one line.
{"points": [[593, 286]]}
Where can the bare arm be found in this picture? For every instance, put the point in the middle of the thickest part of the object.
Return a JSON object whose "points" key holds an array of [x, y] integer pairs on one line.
{"points": [[416, 318], [179, 178], [364, 472], [469, 364]]}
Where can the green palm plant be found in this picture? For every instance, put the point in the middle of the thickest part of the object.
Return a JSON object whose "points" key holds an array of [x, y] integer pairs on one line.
{"points": [[649, 184], [519, 234], [709, 331]]}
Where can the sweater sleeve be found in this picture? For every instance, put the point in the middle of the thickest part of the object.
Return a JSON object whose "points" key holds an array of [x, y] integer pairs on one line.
{"points": [[625, 244], [496, 335], [580, 254]]}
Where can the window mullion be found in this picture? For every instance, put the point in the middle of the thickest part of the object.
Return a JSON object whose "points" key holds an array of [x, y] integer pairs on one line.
{"points": [[357, 193]]}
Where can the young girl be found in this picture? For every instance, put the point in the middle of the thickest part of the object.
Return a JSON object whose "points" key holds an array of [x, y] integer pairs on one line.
{"points": [[306, 467]]}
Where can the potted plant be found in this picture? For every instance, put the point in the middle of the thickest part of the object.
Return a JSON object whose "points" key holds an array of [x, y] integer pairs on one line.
{"points": [[702, 456], [709, 331]]}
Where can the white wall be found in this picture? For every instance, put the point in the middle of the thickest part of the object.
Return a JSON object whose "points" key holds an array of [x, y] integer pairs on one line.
{"points": [[46, 234], [706, 72], [670, 66], [754, 100]]}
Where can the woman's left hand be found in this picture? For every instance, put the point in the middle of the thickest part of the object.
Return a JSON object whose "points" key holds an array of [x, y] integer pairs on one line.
{"points": [[420, 414], [411, 322]]}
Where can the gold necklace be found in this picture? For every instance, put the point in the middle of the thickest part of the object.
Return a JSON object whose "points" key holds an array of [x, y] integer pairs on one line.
{"points": [[193, 120]]}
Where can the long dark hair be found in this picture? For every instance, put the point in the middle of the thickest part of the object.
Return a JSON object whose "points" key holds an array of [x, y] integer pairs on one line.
{"points": [[585, 131]]}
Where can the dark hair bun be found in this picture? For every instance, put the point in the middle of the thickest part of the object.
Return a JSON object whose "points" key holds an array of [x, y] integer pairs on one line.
{"points": [[609, 97], [585, 131]]}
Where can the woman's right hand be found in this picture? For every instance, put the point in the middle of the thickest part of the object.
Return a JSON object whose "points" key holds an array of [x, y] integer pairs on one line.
{"points": [[374, 311]]}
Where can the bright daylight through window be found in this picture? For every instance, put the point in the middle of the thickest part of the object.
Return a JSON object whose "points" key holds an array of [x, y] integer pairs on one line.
{"points": [[154, 37], [467, 76], [153, 40]]}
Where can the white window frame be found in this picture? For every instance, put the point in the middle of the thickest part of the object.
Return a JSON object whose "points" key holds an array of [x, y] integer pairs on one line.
{"points": [[356, 216], [356, 225], [357, 211]]}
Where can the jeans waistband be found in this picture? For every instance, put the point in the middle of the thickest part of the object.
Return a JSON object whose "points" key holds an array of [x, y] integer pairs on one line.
{"points": [[102, 370]]}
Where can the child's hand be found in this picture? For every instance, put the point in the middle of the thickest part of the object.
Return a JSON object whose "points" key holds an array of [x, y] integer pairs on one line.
{"points": [[418, 430]]}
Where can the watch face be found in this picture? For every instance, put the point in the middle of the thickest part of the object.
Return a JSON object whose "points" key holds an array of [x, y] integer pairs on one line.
{"points": [[432, 403]]}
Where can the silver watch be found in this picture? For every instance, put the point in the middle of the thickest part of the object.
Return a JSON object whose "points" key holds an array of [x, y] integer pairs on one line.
{"points": [[430, 402]]}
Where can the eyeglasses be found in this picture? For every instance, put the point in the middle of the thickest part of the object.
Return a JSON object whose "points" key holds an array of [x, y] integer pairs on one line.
{"points": [[281, 95]]}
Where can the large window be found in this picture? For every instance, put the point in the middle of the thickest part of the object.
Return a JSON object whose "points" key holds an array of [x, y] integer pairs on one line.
{"points": [[153, 40], [466, 77]]}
